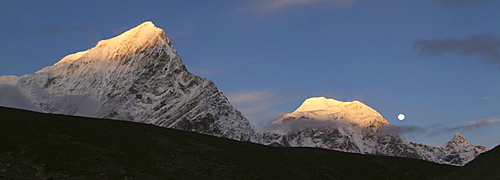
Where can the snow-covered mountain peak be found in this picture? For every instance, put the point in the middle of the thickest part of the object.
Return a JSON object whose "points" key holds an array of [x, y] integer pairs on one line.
{"points": [[324, 109], [135, 76], [133, 41], [317, 103], [459, 151], [457, 140], [458, 136]]}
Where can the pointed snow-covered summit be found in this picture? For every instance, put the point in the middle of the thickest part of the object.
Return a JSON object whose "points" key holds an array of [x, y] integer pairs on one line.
{"points": [[133, 41], [457, 140], [135, 76], [459, 151], [460, 142], [325, 109]]}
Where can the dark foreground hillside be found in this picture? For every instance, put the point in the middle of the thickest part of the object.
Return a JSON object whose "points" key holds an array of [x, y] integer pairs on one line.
{"points": [[486, 166], [46, 146]]}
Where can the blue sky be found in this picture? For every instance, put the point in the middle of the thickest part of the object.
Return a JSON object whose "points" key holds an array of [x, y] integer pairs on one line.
{"points": [[437, 61]]}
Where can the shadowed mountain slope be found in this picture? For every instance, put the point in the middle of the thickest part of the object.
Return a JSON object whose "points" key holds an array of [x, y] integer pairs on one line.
{"points": [[485, 166], [66, 147]]}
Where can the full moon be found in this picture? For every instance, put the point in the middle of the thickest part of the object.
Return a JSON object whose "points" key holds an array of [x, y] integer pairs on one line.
{"points": [[401, 117]]}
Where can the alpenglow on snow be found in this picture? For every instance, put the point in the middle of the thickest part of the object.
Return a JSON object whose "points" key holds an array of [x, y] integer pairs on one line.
{"points": [[136, 76]]}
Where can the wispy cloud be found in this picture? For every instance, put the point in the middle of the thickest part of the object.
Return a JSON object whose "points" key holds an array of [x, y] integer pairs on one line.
{"points": [[4, 62], [269, 6], [258, 106], [437, 129], [247, 97], [202, 71], [47, 29], [484, 46], [51, 29], [464, 3], [119, 30], [470, 125]]}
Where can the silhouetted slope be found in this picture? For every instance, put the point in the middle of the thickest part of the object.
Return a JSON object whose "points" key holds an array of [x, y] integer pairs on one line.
{"points": [[485, 166], [65, 147]]}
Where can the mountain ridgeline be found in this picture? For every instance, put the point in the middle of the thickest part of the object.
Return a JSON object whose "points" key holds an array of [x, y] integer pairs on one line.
{"points": [[138, 76]]}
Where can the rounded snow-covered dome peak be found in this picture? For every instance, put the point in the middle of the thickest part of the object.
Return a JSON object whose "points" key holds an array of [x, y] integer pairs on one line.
{"points": [[317, 103], [324, 109]]}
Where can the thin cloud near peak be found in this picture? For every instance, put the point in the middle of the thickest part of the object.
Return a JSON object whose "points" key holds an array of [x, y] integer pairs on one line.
{"points": [[247, 97], [483, 46], [258, 106], [469, 125], [464, 3], [50, 29], [270, 6], [436, 129]]}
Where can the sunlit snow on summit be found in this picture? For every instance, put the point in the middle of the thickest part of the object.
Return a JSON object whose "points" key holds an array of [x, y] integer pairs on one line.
{"points": [[133, 41], [324, 109]]}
